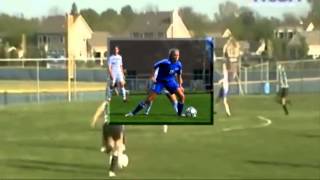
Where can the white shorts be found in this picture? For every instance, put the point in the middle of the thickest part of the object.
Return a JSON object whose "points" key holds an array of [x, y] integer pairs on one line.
{"points": [[117, 78]]}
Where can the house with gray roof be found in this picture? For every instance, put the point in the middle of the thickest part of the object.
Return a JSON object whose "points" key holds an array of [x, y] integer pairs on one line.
{"points": [[58, 37], [158, 25], [51, 36]]}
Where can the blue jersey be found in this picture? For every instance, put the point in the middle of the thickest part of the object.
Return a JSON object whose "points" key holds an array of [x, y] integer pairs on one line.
{"points": [[165, 70]]}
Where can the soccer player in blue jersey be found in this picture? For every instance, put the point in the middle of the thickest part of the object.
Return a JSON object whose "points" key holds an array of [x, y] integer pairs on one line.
{"points": [[168, 75]]}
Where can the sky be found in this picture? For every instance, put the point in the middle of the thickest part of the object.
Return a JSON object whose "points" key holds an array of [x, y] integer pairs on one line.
{"points": [[39, 8]]}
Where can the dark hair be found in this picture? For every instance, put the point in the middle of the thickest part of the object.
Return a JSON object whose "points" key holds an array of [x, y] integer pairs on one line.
{"points": [[172, 51], [114, 48]]}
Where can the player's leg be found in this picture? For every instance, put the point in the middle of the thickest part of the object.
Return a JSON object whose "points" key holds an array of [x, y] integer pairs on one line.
{"points": [[225, 101], [173, 99], [111, 89], [148, 108], [173, 88], [123, 90], [219, 96], [115, 88], [226, 106], [113, 158], [144, 104], [284, 92], [181, 98], [155, 90], [116, 138]]}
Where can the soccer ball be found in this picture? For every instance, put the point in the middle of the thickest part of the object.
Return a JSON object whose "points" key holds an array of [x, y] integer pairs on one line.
{"points": [[191, 112], [123, 161]]}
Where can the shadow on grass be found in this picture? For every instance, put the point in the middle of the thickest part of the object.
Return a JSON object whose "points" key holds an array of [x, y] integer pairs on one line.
{"points": [[57, 146], [288, 164], [309, 135], [56, 166]]}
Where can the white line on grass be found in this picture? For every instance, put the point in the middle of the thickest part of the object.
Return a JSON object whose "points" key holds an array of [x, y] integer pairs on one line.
{"points": [[266, 123]]}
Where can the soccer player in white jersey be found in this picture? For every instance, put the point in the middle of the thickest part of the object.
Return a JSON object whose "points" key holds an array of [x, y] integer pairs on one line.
{"points": [[284, 87], [223, 92], [115, 67]]}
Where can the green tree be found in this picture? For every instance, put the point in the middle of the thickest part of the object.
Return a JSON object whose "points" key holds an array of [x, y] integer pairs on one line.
{"points": [[314, 14], [196, 22], [128, 14], [91, 16], [74, 9]]}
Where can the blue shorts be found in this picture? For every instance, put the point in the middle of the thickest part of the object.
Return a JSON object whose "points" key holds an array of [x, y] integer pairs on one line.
{"points": [[222, 93], [172, 86]]}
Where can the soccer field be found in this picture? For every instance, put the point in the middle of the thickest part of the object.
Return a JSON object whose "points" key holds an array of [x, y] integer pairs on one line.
{"points": [[18, 86], [258, 142], [162, 110]]}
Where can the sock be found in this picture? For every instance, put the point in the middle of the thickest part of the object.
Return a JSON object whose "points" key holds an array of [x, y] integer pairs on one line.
{"points": [[285, 109], [139, 107], [123, 90], [175, 106], [110, 93], [114, 161], [148, 108], [180, 108]]}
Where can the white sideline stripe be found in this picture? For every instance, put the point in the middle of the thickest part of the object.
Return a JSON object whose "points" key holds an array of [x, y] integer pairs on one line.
{"points": [[266, 123]]}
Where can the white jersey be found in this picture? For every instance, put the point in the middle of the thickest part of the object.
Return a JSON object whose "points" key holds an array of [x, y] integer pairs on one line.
{"points": [[225, 80], [116, 62], [283, 80]]}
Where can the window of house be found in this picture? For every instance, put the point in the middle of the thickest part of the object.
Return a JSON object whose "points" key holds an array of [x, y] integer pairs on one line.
{"points": [[97, 54], [160, 35], [44, 39], [281, 35], [290, 35], [148, 35], [136, 35], [39, 39]]}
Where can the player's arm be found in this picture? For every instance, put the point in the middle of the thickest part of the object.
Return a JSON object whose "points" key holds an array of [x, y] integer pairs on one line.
{"points": [[121, 67], [179, 78], [154, 74], [220, 81], [110, 68], [98, 114]]}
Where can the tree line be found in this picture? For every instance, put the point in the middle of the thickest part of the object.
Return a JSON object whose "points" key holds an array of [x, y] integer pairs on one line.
{"points": [[244, 23]]}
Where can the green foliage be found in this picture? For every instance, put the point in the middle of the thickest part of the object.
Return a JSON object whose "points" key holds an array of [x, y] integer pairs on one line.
{"points": [[197, 23], [74, 9], [314, 14], [91, 17]]}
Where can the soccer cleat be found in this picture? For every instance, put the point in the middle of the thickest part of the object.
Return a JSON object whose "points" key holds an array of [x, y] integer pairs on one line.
{"points": [[182, 115], [112, 174], [146, 113], [129, 114], [125, 100]]}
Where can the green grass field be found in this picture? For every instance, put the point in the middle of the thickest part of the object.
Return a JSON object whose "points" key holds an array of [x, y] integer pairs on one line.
{"points": [[18, 86], [162, 110], [55, 141]]}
